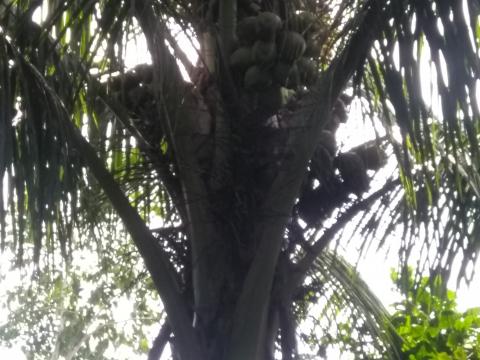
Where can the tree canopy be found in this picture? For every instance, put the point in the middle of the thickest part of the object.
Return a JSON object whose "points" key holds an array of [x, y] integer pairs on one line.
{"points": [[229, 172], [428, 321]]}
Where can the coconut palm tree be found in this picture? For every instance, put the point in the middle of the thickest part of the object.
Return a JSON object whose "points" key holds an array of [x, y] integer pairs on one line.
{"points": [[236, 154]]}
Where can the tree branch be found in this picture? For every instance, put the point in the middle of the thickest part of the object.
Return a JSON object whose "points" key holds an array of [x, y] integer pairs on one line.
{"points": [[271, 332], [301, 268], [287, 333], [160, 341], [159, 267], [180, 54]]}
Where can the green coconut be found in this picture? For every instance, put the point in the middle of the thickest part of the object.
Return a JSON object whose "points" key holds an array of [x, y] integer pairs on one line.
{"points": [[372, 156], [144, 73], [241, 58], [247, 30], [264, 52], [257, 78], [268, 24], [254, 7], [307, 70], [290, 46], [353, 172]]}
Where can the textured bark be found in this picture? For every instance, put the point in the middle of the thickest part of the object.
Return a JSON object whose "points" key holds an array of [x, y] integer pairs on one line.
{"points": [[207, 270], [287, 333]]}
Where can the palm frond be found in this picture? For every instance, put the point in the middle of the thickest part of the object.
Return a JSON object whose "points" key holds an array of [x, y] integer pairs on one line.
{"points": [[40, 168], [347, 311], [421, 77], [61, 48]]}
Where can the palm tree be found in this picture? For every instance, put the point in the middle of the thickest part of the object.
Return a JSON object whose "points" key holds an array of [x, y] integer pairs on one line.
{"points": [[238, 158]]}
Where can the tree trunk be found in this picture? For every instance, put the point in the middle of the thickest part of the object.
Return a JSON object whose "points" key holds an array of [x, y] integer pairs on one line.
{"points": [[236, 212]]}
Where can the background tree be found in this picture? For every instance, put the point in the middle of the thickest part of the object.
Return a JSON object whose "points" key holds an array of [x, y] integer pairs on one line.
{"points": [[428, 321], [430, 324], [90, 309], [238, 158]]}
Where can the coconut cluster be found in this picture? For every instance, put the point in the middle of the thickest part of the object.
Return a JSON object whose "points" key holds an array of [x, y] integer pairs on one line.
{"points": [[353, 166], [274, 52], [333, 176]]}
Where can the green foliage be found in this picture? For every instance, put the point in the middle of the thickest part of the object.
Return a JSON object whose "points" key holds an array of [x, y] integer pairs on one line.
{"points": [[431, 326], [86, 310], [427, 323]]}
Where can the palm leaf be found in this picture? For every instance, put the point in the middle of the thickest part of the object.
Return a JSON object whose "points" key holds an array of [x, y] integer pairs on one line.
{"points": [[344, 298], [438, 153]]}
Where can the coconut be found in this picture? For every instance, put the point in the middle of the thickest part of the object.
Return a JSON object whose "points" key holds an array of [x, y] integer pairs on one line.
{"points": [[254, 8], [264, 52], [144, 73], [307, 70], [257, 78], [372, 156], [241, 58], [353, 172], [268, 24], [291, 46], [247, 30]]}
